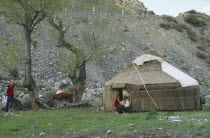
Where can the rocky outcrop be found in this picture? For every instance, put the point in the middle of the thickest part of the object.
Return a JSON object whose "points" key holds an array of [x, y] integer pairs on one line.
{"points": [[133, 6]]}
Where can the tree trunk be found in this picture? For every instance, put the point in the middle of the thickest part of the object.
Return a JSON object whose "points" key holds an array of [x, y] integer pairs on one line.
{"points": [[79, 84], [78, 92], [29, 81]]}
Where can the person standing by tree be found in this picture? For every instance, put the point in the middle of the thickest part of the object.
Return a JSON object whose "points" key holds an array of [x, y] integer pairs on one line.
{"points": [[10, 96]]}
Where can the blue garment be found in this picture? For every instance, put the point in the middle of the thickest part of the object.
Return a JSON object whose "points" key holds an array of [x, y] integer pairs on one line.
{"points": [[9, 103]]}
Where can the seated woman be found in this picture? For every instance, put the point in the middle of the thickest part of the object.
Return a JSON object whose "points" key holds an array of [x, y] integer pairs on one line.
{"points": [[119, 105], [127, 104]]}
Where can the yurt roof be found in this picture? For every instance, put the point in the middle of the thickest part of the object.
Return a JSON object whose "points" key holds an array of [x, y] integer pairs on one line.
{"points": [[168, 74]]}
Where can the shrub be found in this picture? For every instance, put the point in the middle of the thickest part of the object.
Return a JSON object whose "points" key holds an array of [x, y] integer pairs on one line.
{"points": [[192, 12], [40, 86], [201, 54], [166, 25], [195, 21], [191, 34], [151, 115], [151, 12], [203, 99], [48, 95], [170, 18], [25, 91], [179, 27], [202, 46]]}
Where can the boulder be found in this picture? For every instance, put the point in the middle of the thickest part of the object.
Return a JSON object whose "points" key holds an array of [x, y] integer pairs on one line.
{"points": [[16, 104], [207, 99], [58, 85], [26, 100]]}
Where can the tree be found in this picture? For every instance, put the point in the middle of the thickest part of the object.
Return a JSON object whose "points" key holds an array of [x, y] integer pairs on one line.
{"points": [[78, 73], [84, 43], [28, 14]]}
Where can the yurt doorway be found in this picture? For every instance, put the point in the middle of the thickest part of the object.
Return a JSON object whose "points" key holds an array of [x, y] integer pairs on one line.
{"points": [[120, 94]]}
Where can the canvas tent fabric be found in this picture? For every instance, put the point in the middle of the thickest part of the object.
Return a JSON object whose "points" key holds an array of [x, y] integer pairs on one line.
{"points": [[183, 78], [170, 88]]}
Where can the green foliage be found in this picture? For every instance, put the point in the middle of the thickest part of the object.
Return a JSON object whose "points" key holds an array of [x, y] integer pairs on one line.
{"points": [[40, 86], [48, 95], [69, 89], [24, 12], [25, 91], [151, 115], [169, 114], [205, 108], [203, 99], [151, 12], [192, 12], [194, 20]]}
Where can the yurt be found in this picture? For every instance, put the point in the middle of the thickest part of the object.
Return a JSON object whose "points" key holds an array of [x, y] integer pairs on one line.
{"points": [[151, 83]]}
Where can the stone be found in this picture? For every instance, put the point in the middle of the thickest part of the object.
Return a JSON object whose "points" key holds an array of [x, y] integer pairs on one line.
{"points": [[58, 85], [108, 132], [26, 100], [33, 127], [42, 133], [59, 91], [3, 103]]}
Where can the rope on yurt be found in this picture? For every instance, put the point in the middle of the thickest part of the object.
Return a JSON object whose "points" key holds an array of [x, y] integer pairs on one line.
{"points": [[145, 86]]}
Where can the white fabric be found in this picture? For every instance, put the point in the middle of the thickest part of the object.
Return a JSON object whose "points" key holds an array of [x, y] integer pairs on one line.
{"points": [[127, 104], [184, 79], [146, 57]]}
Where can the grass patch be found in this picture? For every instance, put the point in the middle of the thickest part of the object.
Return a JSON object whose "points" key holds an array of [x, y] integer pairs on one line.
{"points": [[86, 121], [40, 86]]}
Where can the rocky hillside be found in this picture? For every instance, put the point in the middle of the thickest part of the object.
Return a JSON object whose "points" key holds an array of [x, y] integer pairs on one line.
{"points": [[180, 41], [133, 6]]}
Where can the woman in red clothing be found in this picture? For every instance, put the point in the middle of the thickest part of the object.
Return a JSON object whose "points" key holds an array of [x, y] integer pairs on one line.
{"points": [[10, 96]]}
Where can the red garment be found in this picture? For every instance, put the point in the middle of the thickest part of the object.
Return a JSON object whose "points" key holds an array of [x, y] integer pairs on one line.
{"points": [[116, 103], [10, 91]]}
